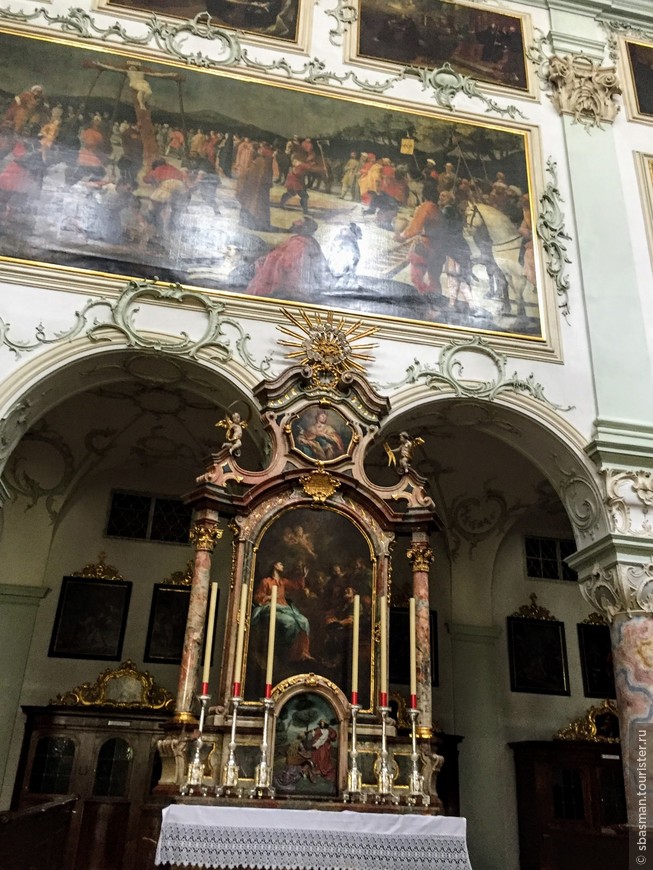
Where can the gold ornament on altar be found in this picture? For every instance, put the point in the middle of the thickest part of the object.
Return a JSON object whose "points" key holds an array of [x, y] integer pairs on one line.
{"points": [[234, 426], [319, 484], [328, 347]]}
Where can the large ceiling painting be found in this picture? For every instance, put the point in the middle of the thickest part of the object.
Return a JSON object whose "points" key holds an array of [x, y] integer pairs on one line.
{"points": [[110, 163]]}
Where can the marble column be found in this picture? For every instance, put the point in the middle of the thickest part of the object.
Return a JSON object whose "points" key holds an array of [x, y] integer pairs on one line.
{"points": [[204, 534], [420, 556], [623, 593]]}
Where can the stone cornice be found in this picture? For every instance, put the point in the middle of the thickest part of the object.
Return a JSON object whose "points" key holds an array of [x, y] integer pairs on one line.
{"points": [[610, 551], [625, 443]]}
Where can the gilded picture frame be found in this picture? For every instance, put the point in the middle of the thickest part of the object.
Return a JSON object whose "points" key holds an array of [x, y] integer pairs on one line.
{"points": [[285, 24], [485, 43], [537, 655], [636, 61], [91, 619], [98, 179], [167, 624]]}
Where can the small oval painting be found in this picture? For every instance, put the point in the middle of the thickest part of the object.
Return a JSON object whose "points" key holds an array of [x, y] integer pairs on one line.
{"points": [[321, 434]]}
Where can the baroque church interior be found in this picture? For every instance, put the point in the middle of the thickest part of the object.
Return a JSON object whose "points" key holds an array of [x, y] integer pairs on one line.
{"points": [[148, 302]]}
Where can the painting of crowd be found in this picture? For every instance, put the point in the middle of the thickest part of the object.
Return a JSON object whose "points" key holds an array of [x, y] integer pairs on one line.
{"points": [[396, 214], [485, 44], [272, 18]]}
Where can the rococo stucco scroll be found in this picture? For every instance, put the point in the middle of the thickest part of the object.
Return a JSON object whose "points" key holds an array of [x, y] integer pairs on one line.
{"points": [[622, 588], [629, 498], [584, 89]]}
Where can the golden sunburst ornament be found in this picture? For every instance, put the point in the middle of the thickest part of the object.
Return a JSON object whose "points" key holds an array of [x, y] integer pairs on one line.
{"points": [[328, 347]]}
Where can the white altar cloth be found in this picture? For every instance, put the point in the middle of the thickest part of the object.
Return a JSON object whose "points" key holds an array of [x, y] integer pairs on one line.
{"points": [[272, 839]]}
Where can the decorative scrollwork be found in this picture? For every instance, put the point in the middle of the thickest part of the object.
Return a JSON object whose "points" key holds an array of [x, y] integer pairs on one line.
{"points": [[599, 724], [629, 497], [121, 319], [99, 570], [615, 28], [122, 687], [171, 38], [205, 536], [449, 371], [345, 14], [619, 589], [420, 556], [319, 485], [551, 231]]}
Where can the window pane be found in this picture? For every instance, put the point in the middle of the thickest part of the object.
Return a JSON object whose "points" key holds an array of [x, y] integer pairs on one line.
{"points": [[53, 765], [112, 769], [129, 515], [171, 521]]}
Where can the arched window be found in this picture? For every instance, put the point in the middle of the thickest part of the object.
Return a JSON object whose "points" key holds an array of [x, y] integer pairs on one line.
{"points": [[53, 765], [112, 768]]}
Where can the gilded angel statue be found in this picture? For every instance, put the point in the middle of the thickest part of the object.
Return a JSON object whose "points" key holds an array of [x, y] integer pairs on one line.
{"points": [[404, 451], [234, 426]]}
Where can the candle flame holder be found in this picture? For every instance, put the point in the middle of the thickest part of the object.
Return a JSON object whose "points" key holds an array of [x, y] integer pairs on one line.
{"points": [[263, 774], [416, 795], [229, 787], [385, 775], [354, 792], [195, 774]]}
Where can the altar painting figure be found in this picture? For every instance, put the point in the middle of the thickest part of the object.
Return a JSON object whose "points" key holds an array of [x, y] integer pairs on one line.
{"points": [[321, 434], [306, 747], [318, 560], [128, 167]]}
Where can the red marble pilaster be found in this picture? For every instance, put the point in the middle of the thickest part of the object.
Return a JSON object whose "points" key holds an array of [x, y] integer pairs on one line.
{"points": [[204, 534], [420, 555]]}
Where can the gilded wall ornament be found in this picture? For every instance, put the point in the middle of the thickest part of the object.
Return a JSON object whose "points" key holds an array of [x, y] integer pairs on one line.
{"points": [[534, 611], [327, 346], [319, 485], [600, 724], [99, 570], [122, 687]]}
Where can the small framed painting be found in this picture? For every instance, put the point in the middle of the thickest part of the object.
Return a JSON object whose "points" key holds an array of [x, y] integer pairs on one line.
{"points": [[538, 656], [91, 619], [596, 660], [167, 625]]}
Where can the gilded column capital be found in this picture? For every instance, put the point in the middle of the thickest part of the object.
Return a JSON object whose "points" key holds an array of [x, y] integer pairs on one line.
{"points": [[619, 589], [204, 535], [420, 556], [582, 88]]}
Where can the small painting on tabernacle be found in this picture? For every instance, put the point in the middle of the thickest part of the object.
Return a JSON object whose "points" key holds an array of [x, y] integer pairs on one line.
{"points": [[321, 434], [306, 747], [318, 560]]}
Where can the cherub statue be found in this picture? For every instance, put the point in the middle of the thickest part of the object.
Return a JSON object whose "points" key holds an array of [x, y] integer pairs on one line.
{"points": [[234, 426], [404, 450]]}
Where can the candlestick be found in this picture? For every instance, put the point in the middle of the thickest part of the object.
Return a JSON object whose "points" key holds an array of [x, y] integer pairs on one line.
{"points": [[383, 653], [240, 640], [354, 791], [384, 793], [208, 647], [417, 794], [271, 632], [354, 650], [413, 655], [230, 773], [263, 772], [199, 753]]}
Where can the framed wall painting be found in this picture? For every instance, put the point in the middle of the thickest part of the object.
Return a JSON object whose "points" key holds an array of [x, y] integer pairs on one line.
{"points": [[482, 42], [283, 21], [319, 560], [399, 658], [637, 62], [596, 660], [117, 165], [537, 655], [644, 169], [91, 618], [167, 624]]}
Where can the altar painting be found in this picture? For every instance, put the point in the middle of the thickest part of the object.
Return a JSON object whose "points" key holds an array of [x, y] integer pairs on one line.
{"points": [[306, 747], [321, 434], [114, 164], [476, 41], [319, 560]]}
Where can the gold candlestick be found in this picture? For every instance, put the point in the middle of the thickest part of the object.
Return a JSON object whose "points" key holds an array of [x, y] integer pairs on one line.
{"points": [[354, 791], [416, 794], [263, 774], [385, 776], [229, 787]]}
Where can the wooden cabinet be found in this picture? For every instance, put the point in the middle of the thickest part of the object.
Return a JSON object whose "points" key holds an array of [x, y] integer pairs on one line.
{"points": [[571, 802], [110, 761]]}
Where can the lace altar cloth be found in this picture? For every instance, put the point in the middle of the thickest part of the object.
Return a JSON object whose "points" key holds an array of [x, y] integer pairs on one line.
{"points": [[270, 839]]}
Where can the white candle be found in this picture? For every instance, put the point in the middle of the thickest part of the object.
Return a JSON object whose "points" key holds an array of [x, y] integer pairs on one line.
{"points": [[208, 647], [354, 649], [242, 614], [383, 649], [273, 627], [413, 650]]}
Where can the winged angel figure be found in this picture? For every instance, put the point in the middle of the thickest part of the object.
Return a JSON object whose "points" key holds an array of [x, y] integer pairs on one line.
{"points": [[404, 451]]}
